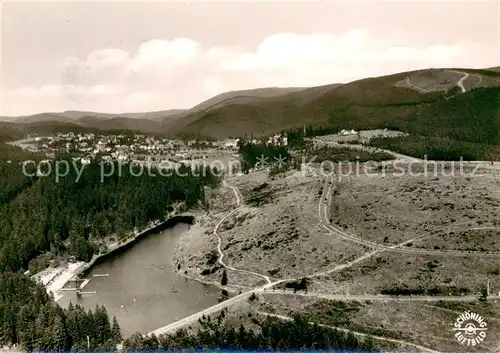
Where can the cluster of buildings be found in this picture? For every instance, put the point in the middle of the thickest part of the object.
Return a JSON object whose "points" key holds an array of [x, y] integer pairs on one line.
{"points": [[276, 140], [89, 146]]}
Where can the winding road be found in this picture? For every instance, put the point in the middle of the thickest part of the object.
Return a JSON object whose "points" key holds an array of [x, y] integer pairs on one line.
{"points": [[219, 239], [265, 289], [231, 301], [399, 342], [323, 216], [460, 82], [379, 297], [416, 87]]}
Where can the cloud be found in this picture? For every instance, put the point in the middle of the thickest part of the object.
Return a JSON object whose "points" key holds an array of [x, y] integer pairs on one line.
{"points": [[178, 73]]}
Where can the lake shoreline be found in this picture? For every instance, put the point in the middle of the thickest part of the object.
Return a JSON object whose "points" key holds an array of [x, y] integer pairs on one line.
{"points": [[56, 278], [127, 243]]}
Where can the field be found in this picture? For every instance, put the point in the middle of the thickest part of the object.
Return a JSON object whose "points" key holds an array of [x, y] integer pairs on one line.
{"points": [[362, 136], [393, 208], [404, 273], [275, 233], [482, 239], [426, 323], [283, 238]]}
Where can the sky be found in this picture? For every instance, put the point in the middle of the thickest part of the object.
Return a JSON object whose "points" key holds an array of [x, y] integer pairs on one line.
{"points": [[120, 57]]}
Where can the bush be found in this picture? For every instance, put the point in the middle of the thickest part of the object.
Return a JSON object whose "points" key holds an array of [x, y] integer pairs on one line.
{"points": [[223, 280]]}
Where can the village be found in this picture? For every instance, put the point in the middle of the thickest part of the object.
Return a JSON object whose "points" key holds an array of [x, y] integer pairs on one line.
{"points": [[89, 147]]}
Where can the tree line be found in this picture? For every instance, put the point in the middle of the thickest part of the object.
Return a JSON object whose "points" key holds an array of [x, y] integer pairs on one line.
{"points": [[255, 154], [30, 318], [41, 218], [67, 217], [269, 333]]}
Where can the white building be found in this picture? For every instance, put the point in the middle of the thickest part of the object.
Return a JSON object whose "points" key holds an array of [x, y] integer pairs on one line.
{"points": [[348, 132], [231, 143], [278, 140]]}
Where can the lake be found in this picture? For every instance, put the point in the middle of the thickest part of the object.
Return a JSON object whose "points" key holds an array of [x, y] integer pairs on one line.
{"points": [[142, 289]]}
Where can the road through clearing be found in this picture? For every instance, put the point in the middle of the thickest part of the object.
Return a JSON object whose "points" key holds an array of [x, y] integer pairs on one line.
{"points": [[264, 289], [460, 82], [379, 297], [322, 213], [219, 239], [364, 335]]}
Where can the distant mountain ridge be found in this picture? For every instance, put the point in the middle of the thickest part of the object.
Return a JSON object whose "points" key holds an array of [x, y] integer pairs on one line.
{"points": [[385, 101], [153, 121], [73, 115]]}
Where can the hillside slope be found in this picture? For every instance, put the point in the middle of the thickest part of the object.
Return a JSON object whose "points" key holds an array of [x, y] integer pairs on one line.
{"points": [[121, 123], [161, 114], [243, 97], [363, 104], [408, 101]]}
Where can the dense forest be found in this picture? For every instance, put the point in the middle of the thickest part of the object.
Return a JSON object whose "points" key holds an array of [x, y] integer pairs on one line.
{"points": [[442, 127], [41, 214], [269, 333], [255, 154], [31, 319], [66, 216], [437, 148], [339, 154]]}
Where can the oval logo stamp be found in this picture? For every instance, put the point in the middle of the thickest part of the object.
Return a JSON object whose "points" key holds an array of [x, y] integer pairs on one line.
{"points": [[470, 328]]}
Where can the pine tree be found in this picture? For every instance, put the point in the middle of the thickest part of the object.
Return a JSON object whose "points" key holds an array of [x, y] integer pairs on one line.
{"points": [[223, 280], [367, 344], [116, 331], [60, 336], [350, 340]]}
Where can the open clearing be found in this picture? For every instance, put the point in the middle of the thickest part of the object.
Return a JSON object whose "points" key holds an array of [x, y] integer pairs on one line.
{"points": [[390, 209], [431, 274], [445, 79], [276, 233], [428, 324], [480, 239], [283, 237]]}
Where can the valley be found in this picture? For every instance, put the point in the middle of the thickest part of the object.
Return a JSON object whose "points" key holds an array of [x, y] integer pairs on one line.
{"points": [[347, 220]]}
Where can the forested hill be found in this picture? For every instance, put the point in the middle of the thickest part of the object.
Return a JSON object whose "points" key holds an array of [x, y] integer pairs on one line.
{"points": [[41, 214], [44, 219], [29, 317]]}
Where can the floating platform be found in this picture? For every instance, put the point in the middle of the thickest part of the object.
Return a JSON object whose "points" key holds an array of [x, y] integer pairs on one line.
{"points": [[78, 292], [84, 283], [76, 279]]}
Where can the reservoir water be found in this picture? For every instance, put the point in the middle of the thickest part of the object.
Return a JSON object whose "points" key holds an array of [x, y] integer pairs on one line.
{"points": [[142, 289]]}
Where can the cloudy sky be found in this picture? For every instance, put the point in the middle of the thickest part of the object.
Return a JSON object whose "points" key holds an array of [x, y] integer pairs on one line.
{"points": [[143, 56]]}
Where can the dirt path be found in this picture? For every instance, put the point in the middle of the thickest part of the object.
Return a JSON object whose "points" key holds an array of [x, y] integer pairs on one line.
{"points": [[379, 297], [264, 289], [416, 87], [460, 82], [231, 301], [219, 239], [364, 335], [322, 213]]}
